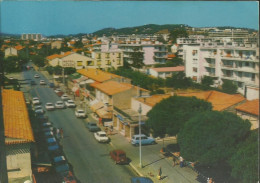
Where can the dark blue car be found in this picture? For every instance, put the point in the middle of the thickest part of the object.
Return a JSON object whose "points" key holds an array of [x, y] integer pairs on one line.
{"points": [[141, 180]]}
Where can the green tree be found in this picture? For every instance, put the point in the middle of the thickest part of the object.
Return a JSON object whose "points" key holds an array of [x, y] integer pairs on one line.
{"points": [[170, 115], [207, 81], [12, 64], [38, 60], [178, 33], [78, 44], [178, 80], [244, 161], [211, 137], [69, 70], [229, 87], [138, 58]]}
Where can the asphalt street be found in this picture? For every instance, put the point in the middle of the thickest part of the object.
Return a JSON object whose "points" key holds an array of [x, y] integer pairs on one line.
{"points": [[89, 159]]}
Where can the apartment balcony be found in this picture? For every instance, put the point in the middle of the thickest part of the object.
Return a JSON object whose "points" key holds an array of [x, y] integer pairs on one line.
{"points": [[209, 65], [160, 51], [210, 56], [211, 74], [160, 57], [227, 67], [246, 69], [238, 58]]}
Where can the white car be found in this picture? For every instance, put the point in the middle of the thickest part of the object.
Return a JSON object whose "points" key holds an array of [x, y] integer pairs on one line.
{"points": [[65, 97], [70, 103], [36, 100], [49, 106], [101, 136], [36, 76], [42, 82], [60, 105], [57, 90], [38, 109], [79, 113]]}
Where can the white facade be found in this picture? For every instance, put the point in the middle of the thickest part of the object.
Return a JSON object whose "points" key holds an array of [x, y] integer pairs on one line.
{"points": [[10, 52], [235, 63]]}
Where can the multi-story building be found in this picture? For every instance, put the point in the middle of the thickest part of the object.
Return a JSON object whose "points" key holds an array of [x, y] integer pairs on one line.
{"points": [[153, 52], [238, 63], [35, 37], [107, 56]]}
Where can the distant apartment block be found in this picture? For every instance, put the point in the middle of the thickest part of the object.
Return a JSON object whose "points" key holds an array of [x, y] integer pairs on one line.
{"points": [[10, 52], [35, 37], [238, 63]]}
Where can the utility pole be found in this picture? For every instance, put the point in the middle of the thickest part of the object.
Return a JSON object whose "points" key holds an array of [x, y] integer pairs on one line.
{"points": [[3, 167], [63, 79], [140, 142]]}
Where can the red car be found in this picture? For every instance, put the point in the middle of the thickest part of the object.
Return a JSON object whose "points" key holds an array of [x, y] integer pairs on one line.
{"points": [[69, 178], [119, 156]]}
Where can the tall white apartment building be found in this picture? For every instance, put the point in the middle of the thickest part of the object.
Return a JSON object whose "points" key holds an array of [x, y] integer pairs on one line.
{"points": [[36, 37], [238, 63]]}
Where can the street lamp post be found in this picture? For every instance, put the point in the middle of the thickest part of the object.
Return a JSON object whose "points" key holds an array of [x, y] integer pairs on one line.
{"points": [[140, 142]]}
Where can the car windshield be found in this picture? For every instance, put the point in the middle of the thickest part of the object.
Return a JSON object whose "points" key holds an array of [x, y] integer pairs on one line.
{"points": [[93, 124], [102, 135], [59, 103], [62, 162], [49, 104], [80, 111], [38, 107]]}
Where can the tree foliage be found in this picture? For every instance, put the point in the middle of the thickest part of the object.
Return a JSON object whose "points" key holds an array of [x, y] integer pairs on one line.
{"points": [[244, 161], [177, 33], [138, 58], [178, 80], [211, 137], [169, 116], [171, 63], [38, 60], [140, 79], [12, 64], [229, 87], [207, 81]]}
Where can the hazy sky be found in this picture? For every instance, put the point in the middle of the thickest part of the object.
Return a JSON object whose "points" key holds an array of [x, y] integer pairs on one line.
{"points": [[69, 17]]}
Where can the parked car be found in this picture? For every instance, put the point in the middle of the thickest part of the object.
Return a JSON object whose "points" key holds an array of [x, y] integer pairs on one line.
{"points": [[51, 85], [60, 164], [68, 177], [49, 106], [57, 90], [38, 109], [42, 82], [101, 136], [119, 156], [144, 140], [42, 118], [36, 76], [47, 127], [33, 83], [48, 134], [36, 100], [70, 103], [52, 144], [65, 97], [141, 180], [59, 105], [79, 113], [92, 126]]}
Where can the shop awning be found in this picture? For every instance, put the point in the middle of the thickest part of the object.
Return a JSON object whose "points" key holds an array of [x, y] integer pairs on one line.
{"points": [[75, 75], [104, 114], [97, 106]]}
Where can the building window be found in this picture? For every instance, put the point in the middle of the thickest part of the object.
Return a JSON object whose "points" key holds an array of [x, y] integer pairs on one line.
{"points": [[195, 69], [247, 64], [194, 52], [79, 63]]}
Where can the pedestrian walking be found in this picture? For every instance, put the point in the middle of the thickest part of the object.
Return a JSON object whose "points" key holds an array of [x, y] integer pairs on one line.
{"points": [[181, 162], [159, 173], [173, 161], [61, 133], [58, 133]]}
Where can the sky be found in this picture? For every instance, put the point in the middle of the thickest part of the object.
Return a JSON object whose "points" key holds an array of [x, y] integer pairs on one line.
{"points": [[71, 17]]}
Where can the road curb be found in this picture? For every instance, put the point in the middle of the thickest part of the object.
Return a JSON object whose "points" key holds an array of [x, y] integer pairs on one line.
{"points": [[135, 169]]}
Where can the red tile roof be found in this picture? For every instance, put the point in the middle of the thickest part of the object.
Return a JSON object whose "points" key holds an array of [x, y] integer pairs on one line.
{"points": [[169, 69], [251, 107], [16, 119], [97, 75], [220, 101], [154, 99]]}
